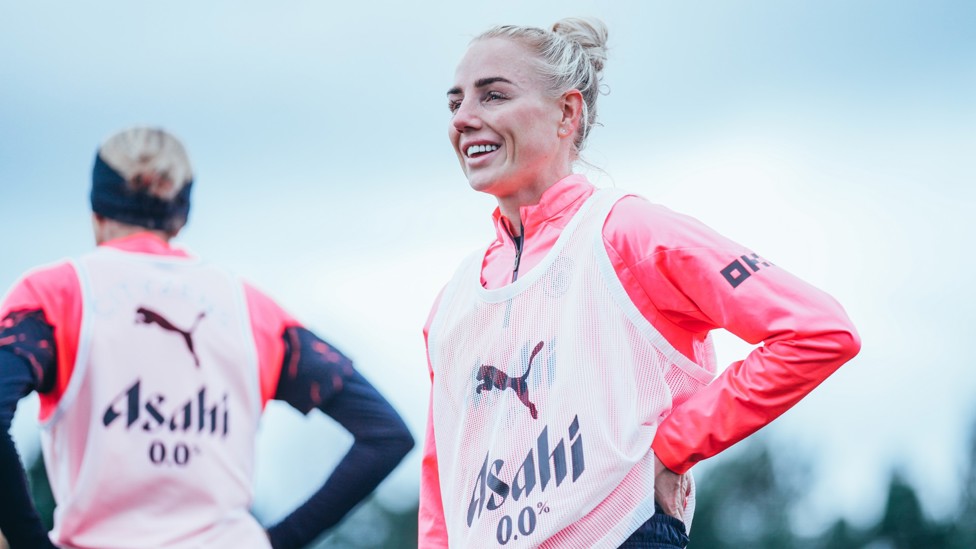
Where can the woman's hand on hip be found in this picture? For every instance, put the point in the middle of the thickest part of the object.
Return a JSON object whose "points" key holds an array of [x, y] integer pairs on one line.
{"points": [[671, 490]]}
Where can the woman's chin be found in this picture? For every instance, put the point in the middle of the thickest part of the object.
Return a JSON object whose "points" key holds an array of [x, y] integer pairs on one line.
{"points": [[482, 184]]}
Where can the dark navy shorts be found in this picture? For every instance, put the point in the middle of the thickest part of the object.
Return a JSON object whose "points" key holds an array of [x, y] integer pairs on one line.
{"points": [[660, 532]]}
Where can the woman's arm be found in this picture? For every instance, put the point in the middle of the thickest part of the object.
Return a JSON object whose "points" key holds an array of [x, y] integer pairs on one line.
{"points": [[316, 375], [688, 280], [27, 363], [432, 529], [805, 337]]}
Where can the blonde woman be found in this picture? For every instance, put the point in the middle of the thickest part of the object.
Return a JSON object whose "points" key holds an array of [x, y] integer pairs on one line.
{"points": [[153, 367], [572, 372]]}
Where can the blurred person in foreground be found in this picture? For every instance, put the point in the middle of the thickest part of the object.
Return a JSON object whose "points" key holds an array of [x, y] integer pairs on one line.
{"points": [[571, 364], [153, 368]]}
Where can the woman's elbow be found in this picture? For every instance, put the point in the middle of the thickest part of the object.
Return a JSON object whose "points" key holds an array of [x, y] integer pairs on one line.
{"points": [[404, 441], [839, 345], [848, 342], [398, 440]]}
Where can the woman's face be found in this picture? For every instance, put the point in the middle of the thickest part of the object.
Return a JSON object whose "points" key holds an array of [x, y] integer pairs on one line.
{"points": [[504, 127]]}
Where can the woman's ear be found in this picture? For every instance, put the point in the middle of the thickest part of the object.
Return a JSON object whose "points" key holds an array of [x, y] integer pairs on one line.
{"points": [[571, 107]]}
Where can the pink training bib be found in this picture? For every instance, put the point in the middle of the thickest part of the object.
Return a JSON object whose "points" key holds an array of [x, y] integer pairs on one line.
{"points": [[152, 444], [546, 397]]}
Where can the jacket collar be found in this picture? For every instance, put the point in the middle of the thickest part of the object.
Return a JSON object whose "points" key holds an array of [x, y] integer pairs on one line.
{"points": [[554, 203]]}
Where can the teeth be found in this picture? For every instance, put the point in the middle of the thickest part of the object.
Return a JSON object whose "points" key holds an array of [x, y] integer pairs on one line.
{"points": [[475, 149]]}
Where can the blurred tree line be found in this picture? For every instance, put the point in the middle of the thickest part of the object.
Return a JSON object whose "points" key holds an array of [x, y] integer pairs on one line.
{"points": [[744, 499], [748, 501]]}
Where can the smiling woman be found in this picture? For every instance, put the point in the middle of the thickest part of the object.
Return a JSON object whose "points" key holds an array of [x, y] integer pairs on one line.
{"points": [[519, 121], [594, 307]]}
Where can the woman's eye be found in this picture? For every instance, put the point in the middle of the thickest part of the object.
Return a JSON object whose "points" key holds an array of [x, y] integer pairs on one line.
{"points": [[453, 105], [493, 96]]}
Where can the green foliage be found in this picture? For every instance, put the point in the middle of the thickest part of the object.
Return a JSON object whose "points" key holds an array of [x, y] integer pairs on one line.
{"points": [[843, 536], [962, 533], [374, 525], [903, 524], [743, 502], [41, 491]]}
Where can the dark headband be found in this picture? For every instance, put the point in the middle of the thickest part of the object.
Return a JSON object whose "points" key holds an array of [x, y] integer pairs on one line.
{"points": [[113, 198]]}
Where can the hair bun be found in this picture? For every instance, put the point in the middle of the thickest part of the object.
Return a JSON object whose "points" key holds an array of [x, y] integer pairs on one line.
{"points": [[590, 33], [150, 160]]}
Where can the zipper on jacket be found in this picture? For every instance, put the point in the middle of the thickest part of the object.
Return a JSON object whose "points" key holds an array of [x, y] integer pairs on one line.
{"points": [[517, 240]]}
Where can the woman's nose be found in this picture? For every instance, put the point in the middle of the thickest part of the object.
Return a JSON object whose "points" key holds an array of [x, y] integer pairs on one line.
{"points": [[465, 118]]}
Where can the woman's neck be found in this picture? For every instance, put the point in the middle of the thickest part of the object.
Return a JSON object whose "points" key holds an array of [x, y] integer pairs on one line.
{"points": [[510, 205]]}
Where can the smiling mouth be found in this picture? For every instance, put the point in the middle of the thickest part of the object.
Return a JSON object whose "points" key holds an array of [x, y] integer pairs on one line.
{"points": [[474, 151]]}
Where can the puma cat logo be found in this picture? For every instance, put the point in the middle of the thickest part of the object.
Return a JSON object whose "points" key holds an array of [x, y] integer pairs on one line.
{"points": [[146, 316], [493, 378]]}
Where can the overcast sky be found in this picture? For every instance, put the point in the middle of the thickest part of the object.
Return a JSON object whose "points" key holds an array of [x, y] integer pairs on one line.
{"points": [[835, 138]]}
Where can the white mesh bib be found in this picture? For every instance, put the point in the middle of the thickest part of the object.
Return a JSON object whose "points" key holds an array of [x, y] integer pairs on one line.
{"points": [[152, 444], [547, 393]]}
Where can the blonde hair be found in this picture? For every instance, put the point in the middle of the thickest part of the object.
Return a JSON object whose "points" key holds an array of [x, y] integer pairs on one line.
{"points": [[570, 56], [150, 160]]}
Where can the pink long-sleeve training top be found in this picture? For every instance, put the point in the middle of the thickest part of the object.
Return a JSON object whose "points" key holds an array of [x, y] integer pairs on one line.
{"points": [[686, 280]]}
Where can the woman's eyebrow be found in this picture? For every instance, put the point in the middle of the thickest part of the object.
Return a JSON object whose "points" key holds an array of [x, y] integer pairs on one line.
{"points": [[491, 80], [482, 82]]}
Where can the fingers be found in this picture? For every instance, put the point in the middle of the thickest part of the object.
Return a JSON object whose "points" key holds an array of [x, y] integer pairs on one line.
{"points": [[671, 490]]}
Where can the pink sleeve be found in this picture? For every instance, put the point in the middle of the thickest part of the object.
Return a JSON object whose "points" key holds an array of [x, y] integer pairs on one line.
{"points": [[55, 290], [268, 323], [432, 530], [687, 280]]}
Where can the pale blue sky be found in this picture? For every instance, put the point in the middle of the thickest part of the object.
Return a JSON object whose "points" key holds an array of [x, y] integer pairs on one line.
{"points": [[835, 138]]}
